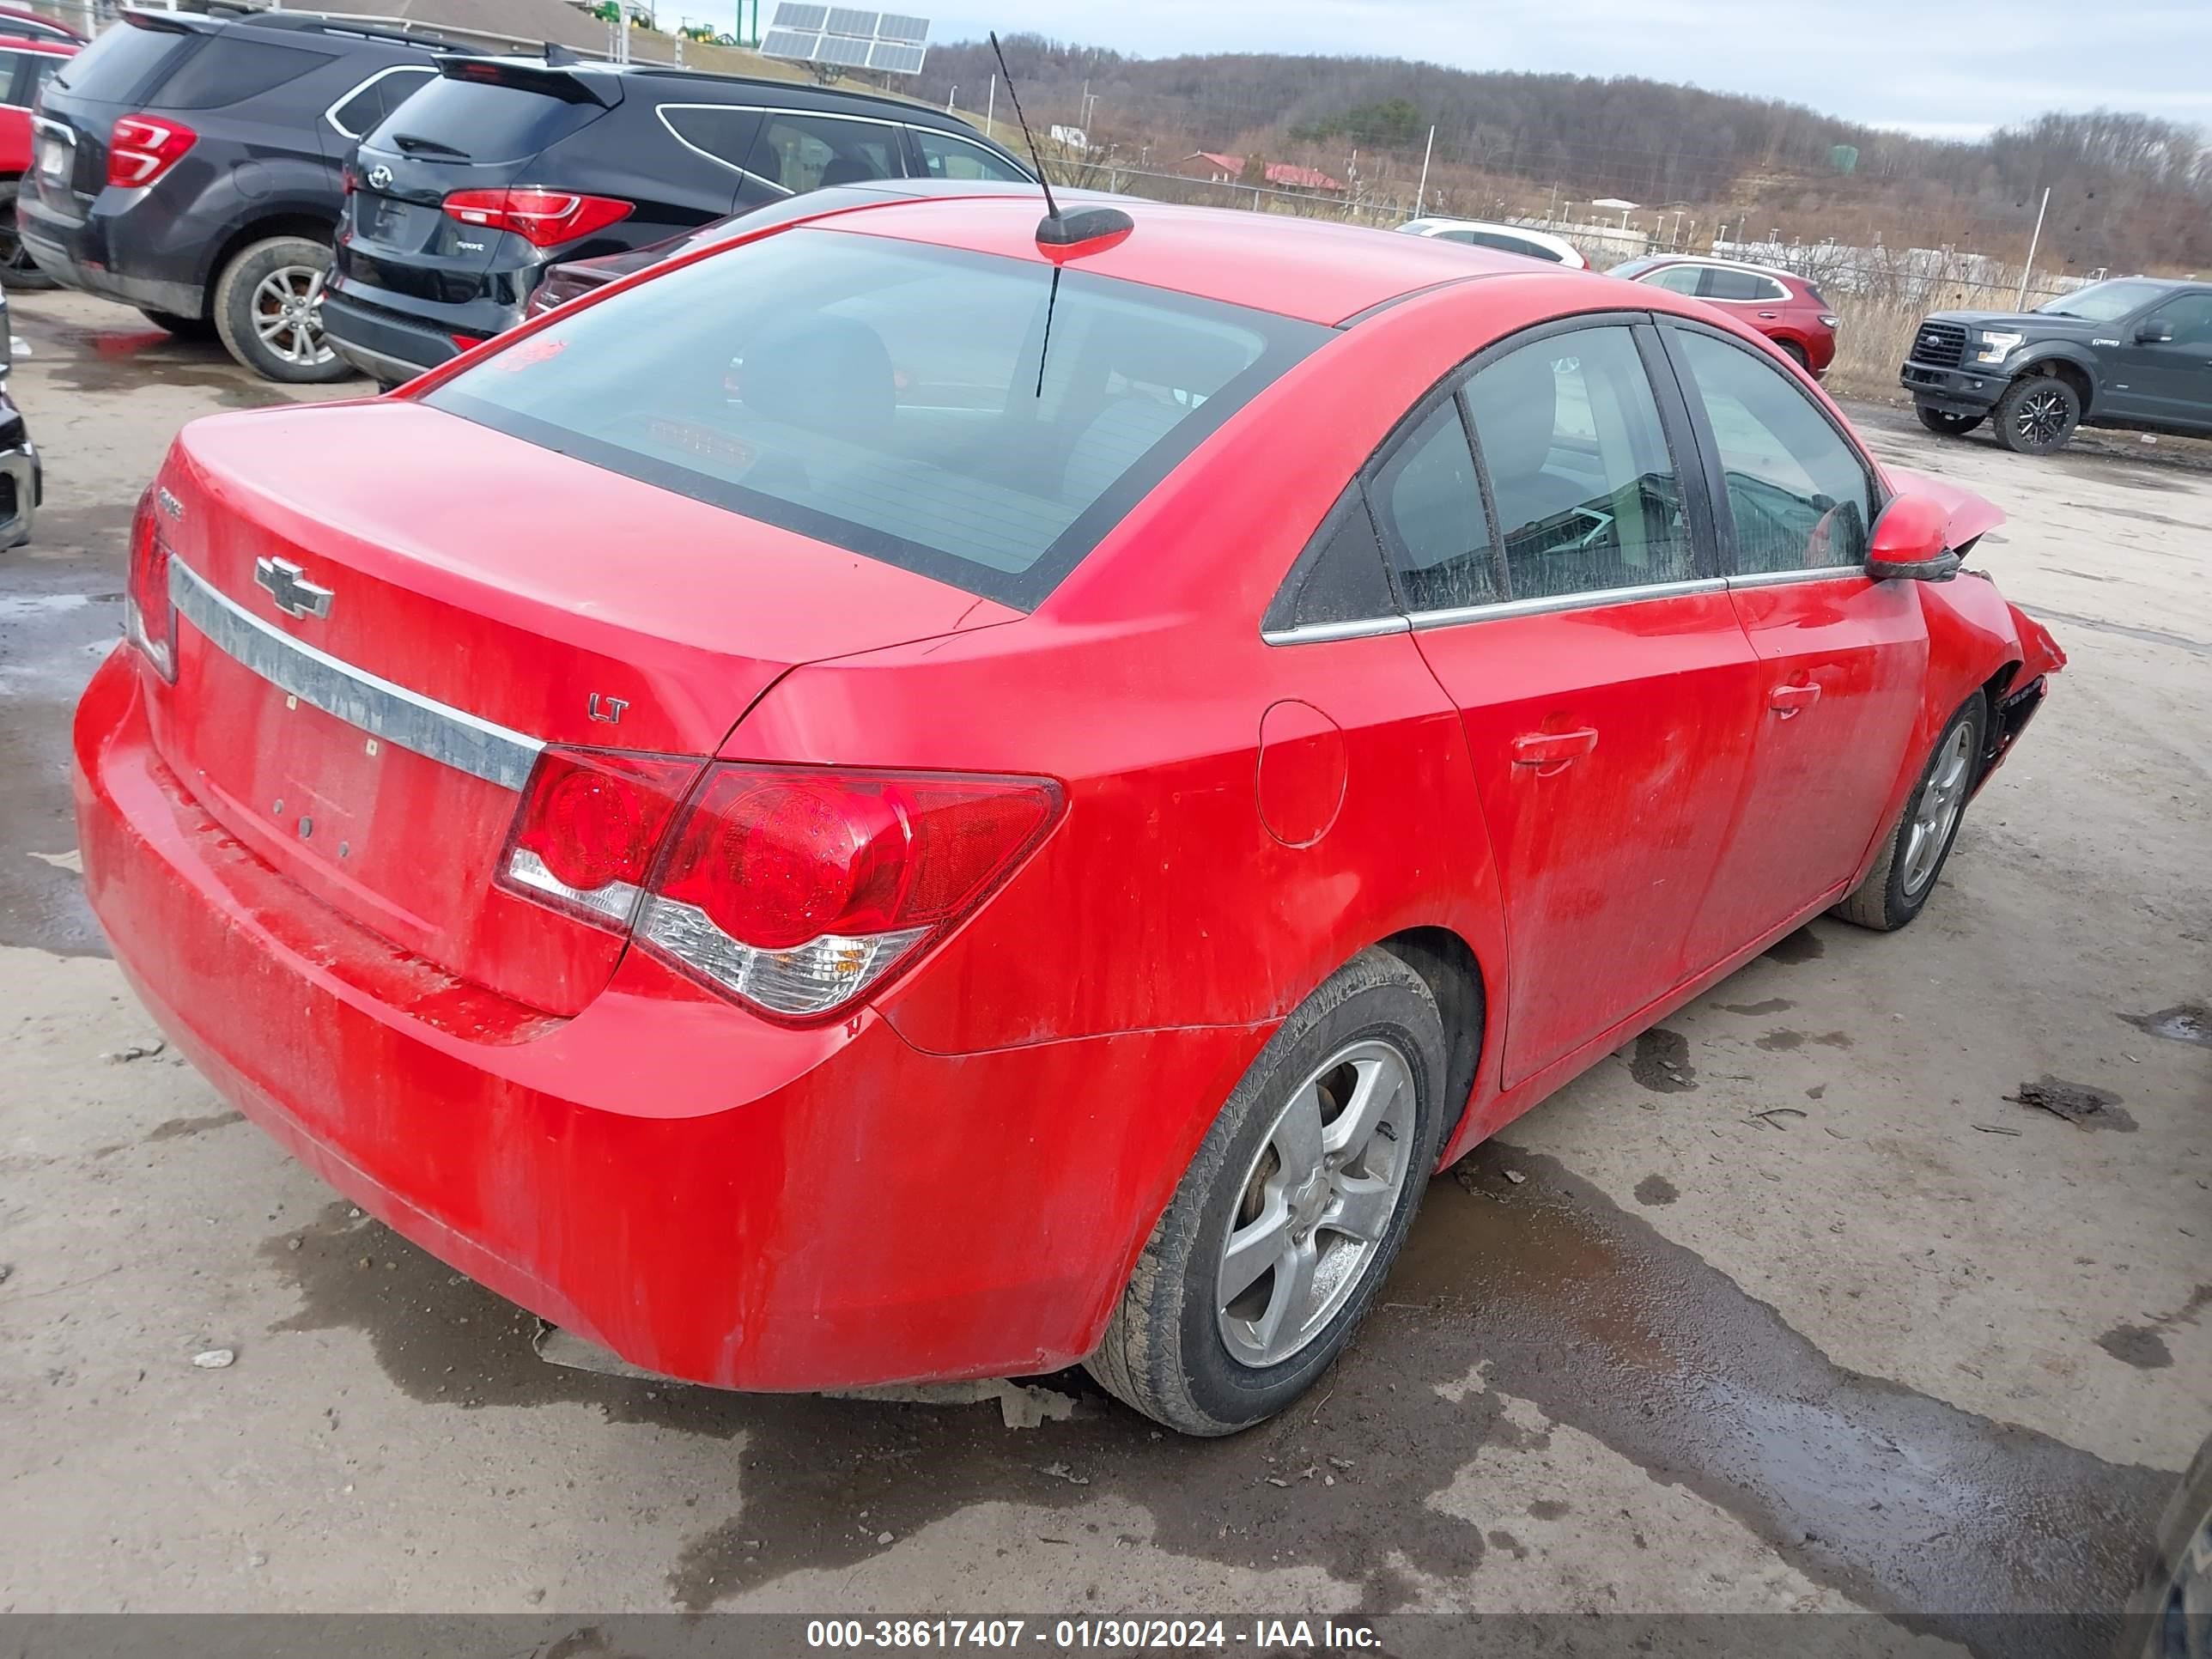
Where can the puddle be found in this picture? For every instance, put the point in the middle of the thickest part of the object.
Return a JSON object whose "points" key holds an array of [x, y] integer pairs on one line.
{"points": [[2189, 1023], [1900, 1501], [1663, 1062], [1803, 946]]}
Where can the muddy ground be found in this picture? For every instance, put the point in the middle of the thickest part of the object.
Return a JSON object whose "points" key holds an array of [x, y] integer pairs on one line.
{"points": [[1790, 1308]]}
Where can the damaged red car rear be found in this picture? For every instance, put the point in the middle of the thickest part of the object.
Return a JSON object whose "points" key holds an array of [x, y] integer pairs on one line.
{"points": [[901, 799]]}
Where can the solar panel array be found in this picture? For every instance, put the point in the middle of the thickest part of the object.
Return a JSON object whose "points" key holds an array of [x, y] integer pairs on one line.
{"points": [[843, 37]]}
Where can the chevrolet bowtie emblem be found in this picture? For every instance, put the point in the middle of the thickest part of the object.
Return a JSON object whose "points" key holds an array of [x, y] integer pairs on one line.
{"points": [[287, 584]]}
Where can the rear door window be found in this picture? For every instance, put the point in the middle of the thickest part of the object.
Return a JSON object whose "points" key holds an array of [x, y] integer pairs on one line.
{"points": [[228, 71], [1429, 509], [948, 156], [21, 74], [118, 66], [904, 402], [1581, 473], [803, 152], [1722, 283], [716, 130], [363, 110]]}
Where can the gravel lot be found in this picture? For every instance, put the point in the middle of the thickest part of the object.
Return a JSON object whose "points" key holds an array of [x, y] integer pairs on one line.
{"points": [[1789, 1308]]}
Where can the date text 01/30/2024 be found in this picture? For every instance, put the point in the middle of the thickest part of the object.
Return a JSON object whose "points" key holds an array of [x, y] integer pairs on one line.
{"points": [[1114, 1634]]}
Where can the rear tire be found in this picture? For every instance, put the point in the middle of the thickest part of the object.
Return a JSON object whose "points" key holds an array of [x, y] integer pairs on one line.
{"points": [[1796, 354], [1919, 844], [1323, 1199], [1945, 423], [2037, 415], [185, 328], [268, 309], [18, 270]]}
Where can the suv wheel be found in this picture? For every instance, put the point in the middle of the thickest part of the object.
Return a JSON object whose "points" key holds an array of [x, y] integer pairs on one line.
{"points": [[2037, 415], [269, 310], [17, 269], [1292, 1212], [1942, 420]]}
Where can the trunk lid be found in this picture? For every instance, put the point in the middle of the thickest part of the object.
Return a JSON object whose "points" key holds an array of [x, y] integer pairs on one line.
{"points": [[507, 596], [480, 125]]}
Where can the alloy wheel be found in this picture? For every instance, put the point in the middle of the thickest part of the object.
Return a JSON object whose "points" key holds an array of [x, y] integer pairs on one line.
{"points": [[1315, 1205], [288, 315], [1941, 800], [2040, 417]]}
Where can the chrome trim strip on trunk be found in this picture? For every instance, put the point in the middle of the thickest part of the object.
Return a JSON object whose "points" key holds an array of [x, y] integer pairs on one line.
{"points": [[392, 714]]}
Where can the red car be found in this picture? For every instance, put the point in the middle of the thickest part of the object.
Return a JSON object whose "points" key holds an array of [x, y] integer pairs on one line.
{"points": [[27, 62], [921, 795], [1787, 309]]}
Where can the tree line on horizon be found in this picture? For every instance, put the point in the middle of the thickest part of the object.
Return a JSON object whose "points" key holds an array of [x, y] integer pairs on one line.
{"points": [[2129, 191]]}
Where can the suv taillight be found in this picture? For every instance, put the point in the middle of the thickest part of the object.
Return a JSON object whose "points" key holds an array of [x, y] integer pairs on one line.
{"points": [[141, 147], [543, 218], [149, 618], [794, 889]]}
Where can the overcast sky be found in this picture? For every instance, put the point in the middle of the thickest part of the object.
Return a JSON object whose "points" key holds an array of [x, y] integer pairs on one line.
{"points": [[1947, 68]]}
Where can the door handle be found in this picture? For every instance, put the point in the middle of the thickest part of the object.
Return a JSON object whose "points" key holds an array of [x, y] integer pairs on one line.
{"points": [[1787, 699], [1769, 315], [1550, 751]]}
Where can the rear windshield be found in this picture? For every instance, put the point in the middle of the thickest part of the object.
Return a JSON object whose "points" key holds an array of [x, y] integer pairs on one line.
{"points": [[117, 65], [981, 420], [485, 122]]}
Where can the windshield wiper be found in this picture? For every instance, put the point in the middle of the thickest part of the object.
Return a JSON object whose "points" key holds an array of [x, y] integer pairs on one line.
{"points": [[415, 146]]}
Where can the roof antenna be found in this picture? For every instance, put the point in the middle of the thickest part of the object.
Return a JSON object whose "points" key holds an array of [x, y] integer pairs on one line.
{"points": [[1057, 229]]}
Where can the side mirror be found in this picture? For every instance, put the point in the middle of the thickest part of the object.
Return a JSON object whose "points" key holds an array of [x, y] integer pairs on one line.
{"points": [[1910, 543], [2156, 332]]}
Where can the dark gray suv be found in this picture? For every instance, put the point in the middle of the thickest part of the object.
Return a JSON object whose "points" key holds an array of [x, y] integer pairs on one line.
{"points": [[2135, 352], [190, 165], [503, 168]]}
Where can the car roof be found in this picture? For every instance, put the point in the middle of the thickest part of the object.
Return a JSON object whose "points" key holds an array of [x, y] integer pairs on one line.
{"points": [[1317, 270], [1653, 261], [45, 43], [220, 17]]}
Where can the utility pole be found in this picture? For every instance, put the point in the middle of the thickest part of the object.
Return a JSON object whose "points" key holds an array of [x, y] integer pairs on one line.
{"points": [[991, 108], [1421, 195], [2019, 302], [950, 96]]}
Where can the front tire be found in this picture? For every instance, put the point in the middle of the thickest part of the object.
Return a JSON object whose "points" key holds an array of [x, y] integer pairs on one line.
{"points": [[2037, 415], [1944, 422], [268, 309], [1897, 886], [1290, 1216]]}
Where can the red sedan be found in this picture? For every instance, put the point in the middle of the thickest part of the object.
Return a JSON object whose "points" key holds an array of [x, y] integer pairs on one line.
{"points": [[1781, 304], [899, 799]]}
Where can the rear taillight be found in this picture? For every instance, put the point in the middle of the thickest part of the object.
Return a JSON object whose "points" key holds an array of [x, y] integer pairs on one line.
{"points": [[792, 889], [141, 147], [149, 618], [543, 218], [589, 826]]}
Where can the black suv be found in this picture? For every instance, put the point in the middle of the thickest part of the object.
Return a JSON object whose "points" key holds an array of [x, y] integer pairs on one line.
{"points": [[190, 165], [2135, 352], [503, 166]]}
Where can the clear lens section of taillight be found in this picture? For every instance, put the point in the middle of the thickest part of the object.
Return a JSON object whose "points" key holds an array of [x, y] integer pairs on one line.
{"points": [[794, 889], [590, 824], [149, 618], [799, 888]]}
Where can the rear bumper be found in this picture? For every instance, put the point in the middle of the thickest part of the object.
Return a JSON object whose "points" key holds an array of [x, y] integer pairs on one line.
{"points": [[1953, 391], [388, 348], [80, 254], [707, 1195]]}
